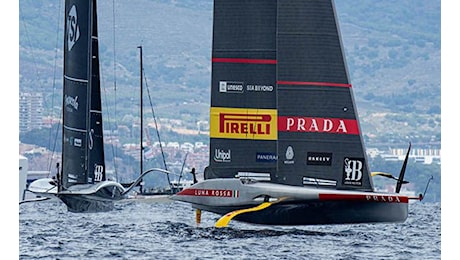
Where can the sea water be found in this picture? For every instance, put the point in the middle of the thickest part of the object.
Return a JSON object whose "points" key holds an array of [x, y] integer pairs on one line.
{"points": [[149, 229]]}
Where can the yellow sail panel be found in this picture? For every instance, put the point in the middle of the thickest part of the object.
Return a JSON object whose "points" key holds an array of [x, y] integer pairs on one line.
{"points": [[243, 123]]}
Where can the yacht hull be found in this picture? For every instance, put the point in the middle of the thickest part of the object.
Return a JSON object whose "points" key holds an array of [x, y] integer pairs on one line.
{"points": [[294, 205], [81, 198], [88, 198]]}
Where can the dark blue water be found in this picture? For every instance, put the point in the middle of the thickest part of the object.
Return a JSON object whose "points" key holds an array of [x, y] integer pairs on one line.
{"points": [[167, 230]]}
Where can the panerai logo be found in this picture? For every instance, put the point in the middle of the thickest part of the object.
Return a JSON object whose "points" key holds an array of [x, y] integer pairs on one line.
{"points": [[222, 156], [73, 30], [353, 171]]}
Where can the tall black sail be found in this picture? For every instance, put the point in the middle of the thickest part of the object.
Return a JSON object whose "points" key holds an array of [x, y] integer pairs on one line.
{"points": [[281, 98], [82, 144], [319, 138], [243, 88]]}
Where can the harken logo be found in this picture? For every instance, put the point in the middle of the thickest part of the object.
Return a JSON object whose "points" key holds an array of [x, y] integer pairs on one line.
{"points": [[353, 171], [73, 30]]}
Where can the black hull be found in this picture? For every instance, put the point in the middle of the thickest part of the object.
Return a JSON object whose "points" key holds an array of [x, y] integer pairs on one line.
{"points": [[321, 213], [92, 198]]}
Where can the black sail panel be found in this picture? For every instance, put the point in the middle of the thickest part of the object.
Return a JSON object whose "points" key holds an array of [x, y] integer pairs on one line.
{"points": [[243, 88], [319, 139], [79, 138], [96, 163]]}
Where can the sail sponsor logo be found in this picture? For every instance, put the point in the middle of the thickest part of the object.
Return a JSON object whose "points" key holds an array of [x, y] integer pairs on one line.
{"points": [[98, 172], [73, 29], [242, 123], [77, 142], [289, 155], [210, 193], [353, 171], [323, 159], [365, 197], [259, 88], [266, 157], [317, 125], [71, 102], [383, 198], [231, 87], [222, 156]]}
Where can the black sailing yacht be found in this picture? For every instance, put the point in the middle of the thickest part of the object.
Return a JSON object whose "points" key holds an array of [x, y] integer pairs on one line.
{"points": [[82, 183], [285, 142]]}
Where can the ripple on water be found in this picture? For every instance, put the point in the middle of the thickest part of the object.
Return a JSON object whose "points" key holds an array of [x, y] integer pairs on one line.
{"points": [[141, 230]]}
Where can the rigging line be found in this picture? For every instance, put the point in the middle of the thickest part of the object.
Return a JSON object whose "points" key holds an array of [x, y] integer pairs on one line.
{"points": [[154, 119], [58, 126], [108, 121], [114, 152], [107, 112]]}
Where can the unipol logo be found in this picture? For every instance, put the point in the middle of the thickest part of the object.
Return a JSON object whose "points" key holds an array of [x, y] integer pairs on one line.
{"points": [[353, 171], [73, 30], [98, 172], [222, 156]]}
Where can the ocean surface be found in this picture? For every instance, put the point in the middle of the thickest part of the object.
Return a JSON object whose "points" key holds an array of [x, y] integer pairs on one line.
{"points": [[150, 229]]}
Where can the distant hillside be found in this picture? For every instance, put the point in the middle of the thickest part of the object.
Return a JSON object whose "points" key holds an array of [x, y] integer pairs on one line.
{"points": [[392, 49]]}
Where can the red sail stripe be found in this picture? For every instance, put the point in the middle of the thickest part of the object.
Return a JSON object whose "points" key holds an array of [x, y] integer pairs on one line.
{"points": [[244, 60], [327, 84], [365, 197]]}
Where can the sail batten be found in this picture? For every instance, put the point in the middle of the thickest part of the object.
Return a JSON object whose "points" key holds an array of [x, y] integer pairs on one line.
{"points": [[76, 79], [242, 60]]}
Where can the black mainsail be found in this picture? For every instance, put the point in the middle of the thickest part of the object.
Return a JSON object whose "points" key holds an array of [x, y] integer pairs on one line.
{"points": [[284, 129], [82, 184], [83, 150]]}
